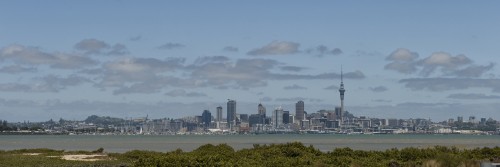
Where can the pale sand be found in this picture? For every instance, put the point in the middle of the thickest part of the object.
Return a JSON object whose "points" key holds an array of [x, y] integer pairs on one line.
{"points": [[77, 157], [93, 157], [32, 153]]}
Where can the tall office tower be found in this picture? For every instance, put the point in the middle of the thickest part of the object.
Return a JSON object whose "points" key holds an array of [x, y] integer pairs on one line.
{"points": [[262, 113], [262, 110], [299, 110], [286, 116], [219, 114], [337, 113], [277, 119], [341, 91], [231, 113], [206, 118], [472, 119], [460, 119]]}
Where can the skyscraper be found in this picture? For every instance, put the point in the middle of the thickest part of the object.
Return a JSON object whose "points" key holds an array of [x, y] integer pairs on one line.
{"points": [[219, 114], [261, 109], [286, 117], [277, 119], [262, 113], [341, 91], [299, 110], [206, 118], [231, 113]]}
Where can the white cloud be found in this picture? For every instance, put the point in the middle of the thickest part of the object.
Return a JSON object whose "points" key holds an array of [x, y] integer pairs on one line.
{"points": [[402, 55], [294, 87], [136, 38], [295, 99], [444, 84], [16, 69], [443, 60], [98, 47], [118, 49], [378, 89], [406, 62], [49, 83], [403, 61], [230, 49], [184, 93], [211, 59], [472, 96], [332, 87], [292, 68], [170, 45], [91, 46], [472, 71], [276, 48], [34, 56], [322, 50]]}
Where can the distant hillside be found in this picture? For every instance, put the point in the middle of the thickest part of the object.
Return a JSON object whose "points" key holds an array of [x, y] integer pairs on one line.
{"points": [[103, 120]]}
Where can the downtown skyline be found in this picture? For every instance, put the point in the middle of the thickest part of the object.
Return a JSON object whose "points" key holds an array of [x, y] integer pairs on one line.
{"points": [[173, 59]]}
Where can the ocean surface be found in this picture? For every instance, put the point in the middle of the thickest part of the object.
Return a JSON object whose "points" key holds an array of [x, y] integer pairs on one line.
{"points": [[124, 143]]}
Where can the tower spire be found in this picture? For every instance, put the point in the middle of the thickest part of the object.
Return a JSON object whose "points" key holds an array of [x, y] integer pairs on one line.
{"points": [[341, 91], [341, 75]]}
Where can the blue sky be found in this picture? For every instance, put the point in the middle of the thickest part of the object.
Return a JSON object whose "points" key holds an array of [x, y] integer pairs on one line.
{"points": [[401, 59]]}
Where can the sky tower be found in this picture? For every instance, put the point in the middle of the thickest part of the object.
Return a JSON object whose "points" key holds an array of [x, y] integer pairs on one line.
{"points": [[341, 91]]}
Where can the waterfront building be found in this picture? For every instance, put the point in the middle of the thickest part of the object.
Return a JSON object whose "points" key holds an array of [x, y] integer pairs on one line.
{"points": [[244, 118], [393, 122], [277, 119], [460, 119], [286, 116], [206, 119], [299, 110], [231, 113], [219, 114], [338, 113], [291, 118], [472, 119], [261, 110], [255, 119], [483, 121]]}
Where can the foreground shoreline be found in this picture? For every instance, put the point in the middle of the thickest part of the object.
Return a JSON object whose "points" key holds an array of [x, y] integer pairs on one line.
{"points": [[287, 154]]}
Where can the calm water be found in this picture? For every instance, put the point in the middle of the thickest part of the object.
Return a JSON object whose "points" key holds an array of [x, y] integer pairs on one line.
{"points": [[188, 143]]}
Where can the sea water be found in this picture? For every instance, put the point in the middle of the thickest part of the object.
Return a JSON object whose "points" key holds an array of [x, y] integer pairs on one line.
{"points": [[323, 142]]}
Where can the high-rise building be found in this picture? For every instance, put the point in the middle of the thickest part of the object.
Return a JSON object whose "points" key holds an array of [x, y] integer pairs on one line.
{"points": [[219, 114], [337, 113], [277, 119], [472, 119], [206, 118], [460, 119], [341, 91], [255, 119], [231, 113], [244, 118], [262, 113], [299, 110], [261, 109], [286, 116]]}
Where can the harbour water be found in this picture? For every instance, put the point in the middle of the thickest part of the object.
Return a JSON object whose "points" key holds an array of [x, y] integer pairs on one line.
{"points": [[123, 143]]}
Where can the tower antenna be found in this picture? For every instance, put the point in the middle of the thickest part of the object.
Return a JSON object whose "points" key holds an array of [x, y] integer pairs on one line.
{"points": [[341, 75]]}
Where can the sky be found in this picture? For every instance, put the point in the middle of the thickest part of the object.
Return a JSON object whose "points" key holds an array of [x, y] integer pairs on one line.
{"points": [[172, 59]]}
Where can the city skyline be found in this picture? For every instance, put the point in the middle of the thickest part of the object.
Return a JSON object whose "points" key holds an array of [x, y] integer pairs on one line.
{"points": [[173, 59]]}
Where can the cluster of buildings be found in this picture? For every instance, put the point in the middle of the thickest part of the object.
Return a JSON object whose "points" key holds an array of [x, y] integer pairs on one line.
{"points": [[277, 120]]}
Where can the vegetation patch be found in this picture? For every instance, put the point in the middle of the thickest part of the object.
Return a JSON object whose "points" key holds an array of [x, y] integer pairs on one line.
{"points": [[289, 154]]}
